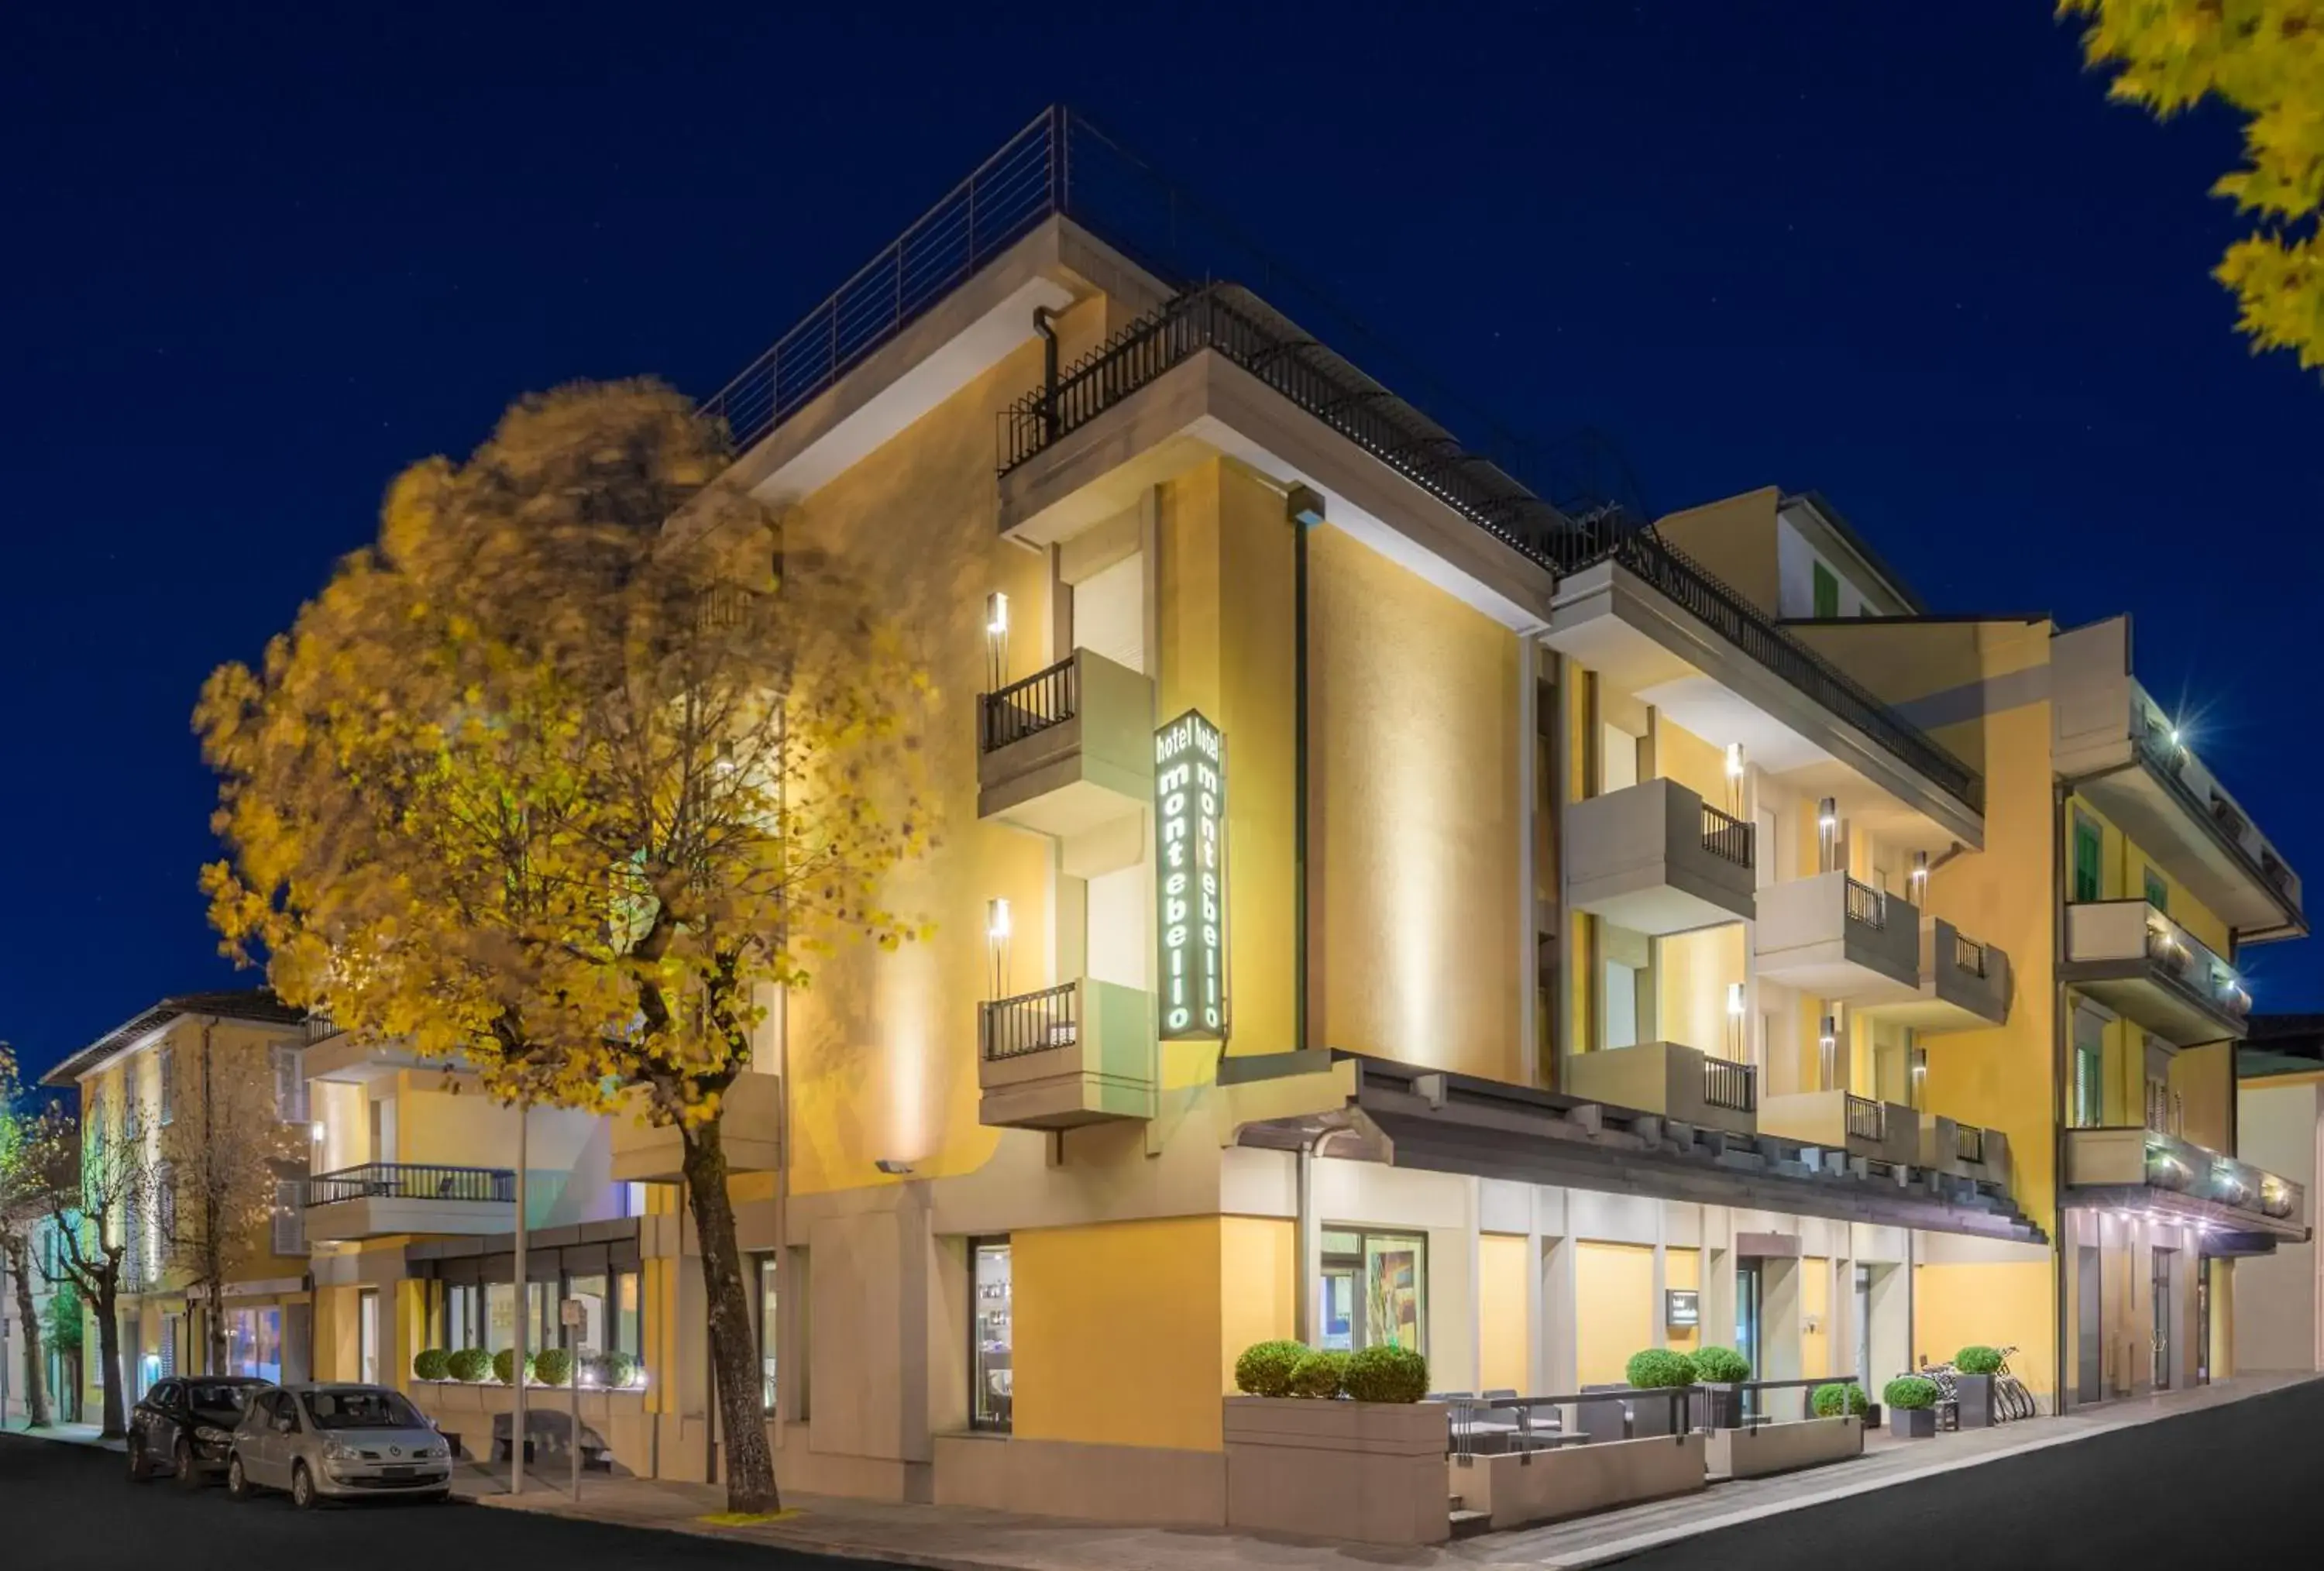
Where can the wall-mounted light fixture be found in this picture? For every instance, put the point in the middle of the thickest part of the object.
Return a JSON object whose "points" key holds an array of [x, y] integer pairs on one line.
{"points": [[1735, 1021], [1920, 876], [996, 641], [1735, 779], [1827, 833], [996, 944], [893, 1167], [1828, 1054], [316, 1132]]}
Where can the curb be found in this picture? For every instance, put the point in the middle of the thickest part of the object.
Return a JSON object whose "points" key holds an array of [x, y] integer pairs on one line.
{"points": [[687, 1525], [115, 1447]]}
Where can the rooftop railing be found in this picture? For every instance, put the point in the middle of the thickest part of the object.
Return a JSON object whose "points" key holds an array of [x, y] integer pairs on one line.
{"points": [[413, 1181]]}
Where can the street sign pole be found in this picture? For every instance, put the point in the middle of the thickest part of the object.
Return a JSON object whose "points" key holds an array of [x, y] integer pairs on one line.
{"points": [[570, 1312]]}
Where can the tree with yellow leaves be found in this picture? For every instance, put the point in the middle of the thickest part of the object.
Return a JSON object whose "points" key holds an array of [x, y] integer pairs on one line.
{"points": [[564, 777], [2266, 58]]}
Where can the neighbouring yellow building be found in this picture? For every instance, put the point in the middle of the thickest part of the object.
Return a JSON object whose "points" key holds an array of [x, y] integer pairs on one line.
{"points": [[1374, 902]]}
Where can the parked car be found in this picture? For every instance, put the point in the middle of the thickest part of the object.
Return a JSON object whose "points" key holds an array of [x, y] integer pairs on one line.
{"points": [[187, 1425], [337, 1442]]}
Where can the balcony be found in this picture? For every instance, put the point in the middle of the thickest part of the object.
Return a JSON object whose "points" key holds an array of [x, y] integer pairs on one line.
{"points": [[2142, 965], [381, 1199], [1657, 859], [2145, 1170], [1837, 1120], [1964, 1151], [1964, 984], [1837, 938], [1068, 752], [1679, 1082], [750, 1124], [1066, 1056], [2124, 755]]}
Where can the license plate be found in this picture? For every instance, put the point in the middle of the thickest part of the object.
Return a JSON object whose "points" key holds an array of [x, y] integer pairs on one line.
{"points": [[398, 1472]]}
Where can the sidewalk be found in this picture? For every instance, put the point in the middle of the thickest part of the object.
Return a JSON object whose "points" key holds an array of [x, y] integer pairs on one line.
{"points": [[958, 1539], [70, 1434]]}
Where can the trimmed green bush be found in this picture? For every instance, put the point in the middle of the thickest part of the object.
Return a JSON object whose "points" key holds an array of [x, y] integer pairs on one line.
{"points": [[1319, 1374], [1978, 1360], [1265, 1368], [1720, 1365], [1831, 1400], [1385, 1373], [1909, 1392], [430, 1363], [1658, 1369], [552, 1366], [614, 1370], [504, 1366], [470, 1363]]}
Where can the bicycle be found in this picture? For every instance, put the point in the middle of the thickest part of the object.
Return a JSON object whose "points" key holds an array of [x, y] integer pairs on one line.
{"points": [[2011, 1399]]}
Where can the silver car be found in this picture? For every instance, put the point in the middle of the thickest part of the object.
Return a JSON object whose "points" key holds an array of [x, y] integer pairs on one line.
{"points": [[336, 1442]]}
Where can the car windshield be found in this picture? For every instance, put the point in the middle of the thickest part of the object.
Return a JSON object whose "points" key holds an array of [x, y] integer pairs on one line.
{"points": [[219, 1397], [362, 1409]]}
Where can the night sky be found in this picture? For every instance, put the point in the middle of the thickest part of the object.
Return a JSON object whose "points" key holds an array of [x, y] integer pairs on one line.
{"points": [[257, 260]]}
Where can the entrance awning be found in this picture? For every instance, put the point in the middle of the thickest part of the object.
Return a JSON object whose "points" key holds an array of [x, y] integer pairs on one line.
{"points": [[1345, 1104]]}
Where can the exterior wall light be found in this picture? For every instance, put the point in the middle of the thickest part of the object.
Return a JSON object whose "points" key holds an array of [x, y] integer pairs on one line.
{"points": [[1828, 1052], [893, 1167], [996, 944], [996, 641], [1919, 876], [1735, 779], [316, 1131], [1827, 834]]}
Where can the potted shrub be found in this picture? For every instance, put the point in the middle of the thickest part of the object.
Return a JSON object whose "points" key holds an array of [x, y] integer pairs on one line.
{"points": [[1265, 1368], [1720, 1371], [470, 1364], [431, 1363], [552, 1366], [1841, 1399], [1657, 1368], [1385, 1373], [1912, 1401], [1973, 1387], [1319, 1374], [504, 1366], [615, 1371]]}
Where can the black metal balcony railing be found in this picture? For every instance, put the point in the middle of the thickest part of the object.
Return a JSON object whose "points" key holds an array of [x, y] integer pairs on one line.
{"points": [[1237, 324], [1727, 836], [1031, 1023], [319, 1027], [413, 1181], [1867, 1120], [1968, 1144], [1968, 955], [1729, 1084], [1867, 906], [1031, 705]]}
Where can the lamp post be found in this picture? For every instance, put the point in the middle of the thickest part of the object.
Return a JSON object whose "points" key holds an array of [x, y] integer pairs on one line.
{"points": [[524, 1311]]}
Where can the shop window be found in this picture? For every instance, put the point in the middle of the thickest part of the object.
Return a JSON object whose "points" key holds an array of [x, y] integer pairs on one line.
{"points": [[768, 1325], [629, 1321], [1375, 1290], [463, 1313], [991, 1395], [588, 1290], [500, 1316], [2090, 850]]}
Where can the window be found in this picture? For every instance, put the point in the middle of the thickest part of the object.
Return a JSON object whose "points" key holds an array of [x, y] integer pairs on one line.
{"points": [[165, 1069], [500, 1316], [628, 1323], [254, 1342], [2158, 892], [2089, 849], [1375, 1290], [2158, 1107], [290, 1083], [165, 1203], [461, 1310], [766, 1332], [588, 1338], [367, 1335], [1827, 591], [632, 1198], [992, 1391], [290, 1216]]}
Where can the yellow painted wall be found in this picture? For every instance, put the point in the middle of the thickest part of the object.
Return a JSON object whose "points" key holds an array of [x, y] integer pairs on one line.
{"points": [[1138, 1301], [1734, 538], [2204, 1080], [1683, 1267], [1503, 1356], [2222, 1360], [1815, 1316], [1699, 765], [1692, 974], [1614, 1303], [1996, 1304], [1259, 1270], [1413, 709]]}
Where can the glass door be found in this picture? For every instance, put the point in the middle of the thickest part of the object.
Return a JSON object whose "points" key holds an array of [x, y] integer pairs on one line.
{"points": [[2162, 1319], [1864, 1329], [1749, 1299]]}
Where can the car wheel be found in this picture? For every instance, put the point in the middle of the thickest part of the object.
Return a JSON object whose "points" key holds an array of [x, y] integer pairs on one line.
{"points": [[181, 1465], [237, 1482], [140, 1469], [302, 1487]]}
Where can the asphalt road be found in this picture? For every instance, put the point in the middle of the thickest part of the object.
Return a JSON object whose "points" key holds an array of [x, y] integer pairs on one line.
{"points": [[71, 1506], [2231, 1485]]}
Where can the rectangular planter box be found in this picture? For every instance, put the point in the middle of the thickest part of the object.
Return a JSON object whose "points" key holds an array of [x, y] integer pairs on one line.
{"points": [[1912, 1423], [1975, 1395], [1373, 1472], [1781, 1447], [1569, 1481]]}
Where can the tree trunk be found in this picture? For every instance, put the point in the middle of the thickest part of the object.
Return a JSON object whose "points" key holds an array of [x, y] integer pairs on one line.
{"points": [[109, 1350], [749, 1461], [36, 1396]]}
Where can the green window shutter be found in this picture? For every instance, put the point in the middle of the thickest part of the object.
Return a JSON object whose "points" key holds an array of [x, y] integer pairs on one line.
{"points": [[2088, 849], [2158, 893], [1827, 592]]}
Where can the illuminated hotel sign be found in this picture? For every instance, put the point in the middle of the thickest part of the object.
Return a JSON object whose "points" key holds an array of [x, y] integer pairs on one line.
{"points": [[1190, 801]]}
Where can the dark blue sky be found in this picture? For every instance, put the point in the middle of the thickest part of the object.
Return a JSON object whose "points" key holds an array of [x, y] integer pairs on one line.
{"points": [[257, 259]]}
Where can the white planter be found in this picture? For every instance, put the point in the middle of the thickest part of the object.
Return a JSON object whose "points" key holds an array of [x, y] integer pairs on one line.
{"points": [[1515, 1489], [1373, 1472], [1754, 1453]]}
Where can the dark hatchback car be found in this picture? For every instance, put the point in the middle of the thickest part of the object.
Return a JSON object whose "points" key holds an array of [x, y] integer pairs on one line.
{"points": [[186, 1426]]}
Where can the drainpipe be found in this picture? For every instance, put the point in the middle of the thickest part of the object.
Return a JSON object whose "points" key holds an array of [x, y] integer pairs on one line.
{"points": [[2061, 1026], [1303, 1300], [1045, 323], [1305, 508]]}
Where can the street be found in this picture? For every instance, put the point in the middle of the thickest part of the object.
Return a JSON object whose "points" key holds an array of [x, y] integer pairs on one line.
{"points": [[2219, 1487], [71, 1505]]}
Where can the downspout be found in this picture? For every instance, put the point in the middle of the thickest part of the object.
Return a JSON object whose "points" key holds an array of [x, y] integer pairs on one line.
{"points": [[1305, 509], [2061, 1026], [1045, 323]]}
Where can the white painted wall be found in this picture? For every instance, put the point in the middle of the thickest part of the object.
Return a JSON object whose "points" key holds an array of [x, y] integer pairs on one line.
{"points": [[1795, 561], [1109, 612], [2278, 1297]]}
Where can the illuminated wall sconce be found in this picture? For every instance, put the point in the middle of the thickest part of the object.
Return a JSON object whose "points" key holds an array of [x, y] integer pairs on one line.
{"points": [[1827, 833], [1919, 876], [996, 641], [893, 1167], [1735, 1009], [316, 1132], [996, 944], [1735, 779], [1828, 1054]]}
